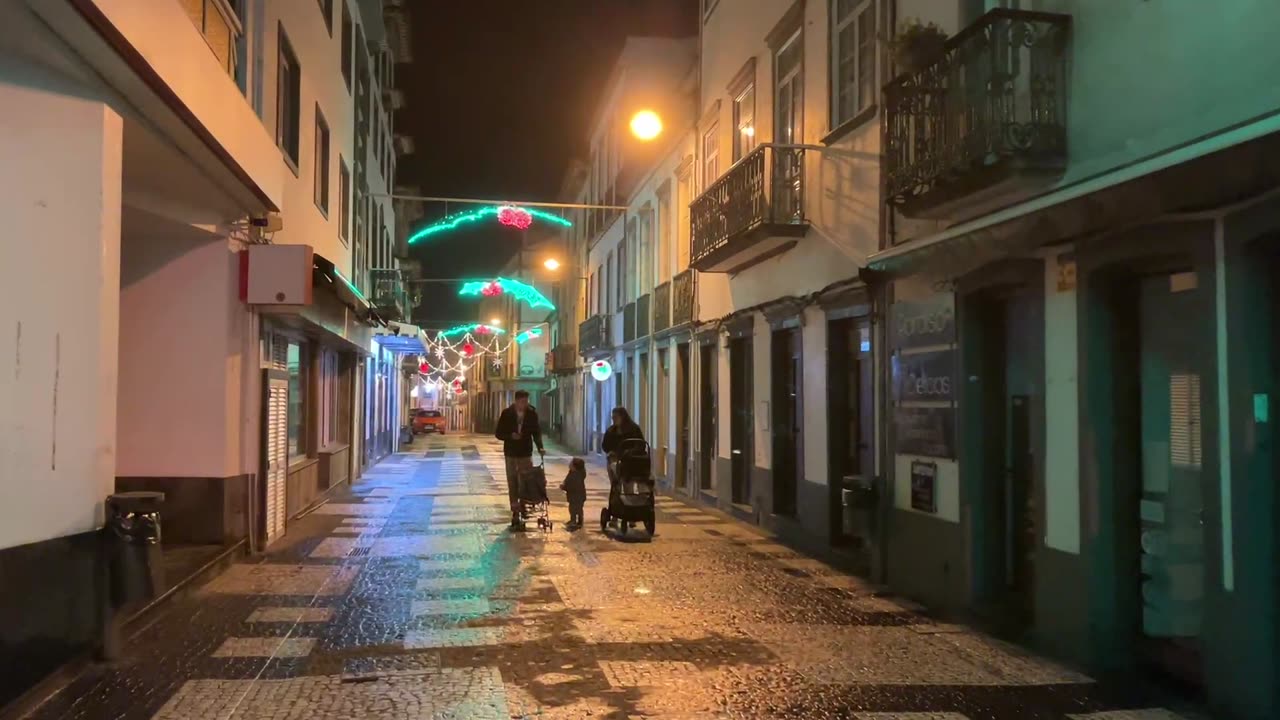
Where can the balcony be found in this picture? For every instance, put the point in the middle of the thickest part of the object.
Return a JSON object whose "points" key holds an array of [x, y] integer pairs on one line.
{"points": [[562, 360], [593, 335], [390, 295], [984, 125], [682, 298], [752, 213], [643, 315], [217, 22], [662, 307], [629, 322]]}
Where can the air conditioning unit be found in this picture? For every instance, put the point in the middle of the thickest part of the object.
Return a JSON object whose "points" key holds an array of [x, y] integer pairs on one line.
{"points": [[278, 277]]}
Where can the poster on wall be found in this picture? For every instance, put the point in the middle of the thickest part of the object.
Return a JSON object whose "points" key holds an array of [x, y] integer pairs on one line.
{"points": [[924, 483], [924, 376], [925, 431]]}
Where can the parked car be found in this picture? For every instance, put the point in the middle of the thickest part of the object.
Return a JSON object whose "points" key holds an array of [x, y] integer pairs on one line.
{"points": [[428, 421]]}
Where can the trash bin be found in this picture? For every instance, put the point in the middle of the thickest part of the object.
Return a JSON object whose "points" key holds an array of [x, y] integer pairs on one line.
{"points": [[858, 498], [131, 540], [406, 435]]}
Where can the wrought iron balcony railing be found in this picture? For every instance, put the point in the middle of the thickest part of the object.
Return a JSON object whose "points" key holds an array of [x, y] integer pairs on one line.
{"points": [[390, 294], [643, 313], [593, 335], [662, 307], [629, 322], [682, 298], [991, 109], [760, 197]]}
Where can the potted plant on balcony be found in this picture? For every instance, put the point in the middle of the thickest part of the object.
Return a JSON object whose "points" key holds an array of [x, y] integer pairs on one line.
{"points": [[917, 45]]}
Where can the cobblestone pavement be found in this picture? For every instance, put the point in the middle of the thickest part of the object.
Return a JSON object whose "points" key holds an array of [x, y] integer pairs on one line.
{"points": [[408, 597]]}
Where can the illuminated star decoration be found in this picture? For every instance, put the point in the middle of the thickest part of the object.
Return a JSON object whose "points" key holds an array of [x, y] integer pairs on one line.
{"points": [[497, 364], [528, 335], [515, 288], [509, 215]]}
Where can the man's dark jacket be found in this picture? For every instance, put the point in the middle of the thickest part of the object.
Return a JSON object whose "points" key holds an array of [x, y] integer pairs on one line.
{"points": [[529, 434]]}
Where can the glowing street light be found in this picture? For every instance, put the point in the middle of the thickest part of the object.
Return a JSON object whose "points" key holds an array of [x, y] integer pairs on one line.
{"points": [[551, 264], [495, 321], [646, 125]]}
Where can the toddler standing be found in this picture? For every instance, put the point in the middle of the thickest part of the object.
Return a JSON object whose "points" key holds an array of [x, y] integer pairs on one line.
{"points": [[575, 487]]}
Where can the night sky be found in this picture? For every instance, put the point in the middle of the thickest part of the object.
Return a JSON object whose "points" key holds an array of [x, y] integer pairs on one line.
{"points": [[498, 100]]}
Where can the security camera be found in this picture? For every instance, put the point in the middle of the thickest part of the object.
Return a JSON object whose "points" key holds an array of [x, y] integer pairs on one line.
{"points": [[396, 330], [270, 222]]}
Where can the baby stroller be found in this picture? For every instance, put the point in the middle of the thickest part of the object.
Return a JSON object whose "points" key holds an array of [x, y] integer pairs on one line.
{"points": [[630, 488], [534, 503]]}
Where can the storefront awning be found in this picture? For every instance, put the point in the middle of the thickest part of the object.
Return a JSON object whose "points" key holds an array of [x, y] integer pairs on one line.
{"points": [[401, 338], [327, 275], [1206, 173]]}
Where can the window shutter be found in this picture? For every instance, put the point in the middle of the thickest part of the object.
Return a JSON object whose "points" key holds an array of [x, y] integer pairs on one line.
{"points": [[1184, 420]]}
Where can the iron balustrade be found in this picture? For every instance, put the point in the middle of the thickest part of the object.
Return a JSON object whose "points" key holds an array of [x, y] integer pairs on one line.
{"points": [[629, 322], [593, 334], [662, 307], [643, 315], [682, 298], [997, 92], [390, 294], [764, 188]]}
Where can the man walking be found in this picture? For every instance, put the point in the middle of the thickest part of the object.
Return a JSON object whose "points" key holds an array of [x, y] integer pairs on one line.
{"points": [[518, 430]]}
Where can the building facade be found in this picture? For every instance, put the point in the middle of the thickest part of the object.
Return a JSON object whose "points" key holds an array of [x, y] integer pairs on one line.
{"points": [[1078, 273], [207, 182]]}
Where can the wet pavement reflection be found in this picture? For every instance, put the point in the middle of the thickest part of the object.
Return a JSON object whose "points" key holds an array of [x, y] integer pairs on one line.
{"points": [[407, 597]]}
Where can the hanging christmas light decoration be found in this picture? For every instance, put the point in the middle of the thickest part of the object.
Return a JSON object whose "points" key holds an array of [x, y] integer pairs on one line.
{"points": [[424, 367], [528, 335], [515, 217], [496, 364], [473, 327], [468, 349], [520, 291], [509, 215], [492, 289]]}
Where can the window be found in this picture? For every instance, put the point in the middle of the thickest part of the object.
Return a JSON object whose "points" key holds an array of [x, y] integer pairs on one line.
{"points": [[288, 97], [217, 23], [608, 283], [344, 200], [710, 155], [645, 271], [684, 196], [664, 233], [853, 50], [628, 267], [326, 7], [297, 367], [789, 92], [744, 122], [322, 163], [347, 44]]}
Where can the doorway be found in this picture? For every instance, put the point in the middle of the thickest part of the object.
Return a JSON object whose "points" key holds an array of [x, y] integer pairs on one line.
{"points": [[1001, 340], [852, 431], [1173, 369], [741, 428], [706, 416], [644, 401], [788, 426], [682, 416], [661, 432]]}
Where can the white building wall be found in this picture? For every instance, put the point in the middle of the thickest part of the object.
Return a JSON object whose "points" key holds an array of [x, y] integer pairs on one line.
{"points": [[59, 307]]}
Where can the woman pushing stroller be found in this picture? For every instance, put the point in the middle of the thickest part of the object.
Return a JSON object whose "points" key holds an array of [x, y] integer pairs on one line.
{"points": [[630, 480]]}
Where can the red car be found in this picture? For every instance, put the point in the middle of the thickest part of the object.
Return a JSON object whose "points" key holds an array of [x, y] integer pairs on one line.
{"points": [[428, 421]]}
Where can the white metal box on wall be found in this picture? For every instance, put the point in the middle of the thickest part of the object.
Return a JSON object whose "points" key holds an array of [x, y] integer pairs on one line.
{"points": [[279, 276]]}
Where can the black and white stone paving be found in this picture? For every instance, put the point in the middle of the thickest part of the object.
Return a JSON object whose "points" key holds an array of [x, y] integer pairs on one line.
{"points": [[408, 597]]}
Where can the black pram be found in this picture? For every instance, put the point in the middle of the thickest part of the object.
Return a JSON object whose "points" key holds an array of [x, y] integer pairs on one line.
{"points": [[534, 502], [630, 488]]}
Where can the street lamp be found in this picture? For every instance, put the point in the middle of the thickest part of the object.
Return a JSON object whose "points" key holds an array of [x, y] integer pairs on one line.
{"points": [[495, 321], [551, 264], [646, 125]]}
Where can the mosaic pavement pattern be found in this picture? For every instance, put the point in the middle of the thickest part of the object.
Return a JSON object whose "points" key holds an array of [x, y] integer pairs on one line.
{"points": [[407, 597]]}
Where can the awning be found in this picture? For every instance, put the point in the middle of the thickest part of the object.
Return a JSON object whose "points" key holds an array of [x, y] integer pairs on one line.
{"points": [[401, 338], [1205, 173]]}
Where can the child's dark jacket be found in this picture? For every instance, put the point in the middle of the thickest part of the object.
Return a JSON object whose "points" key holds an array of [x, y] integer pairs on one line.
{"points": [[575, 485]]}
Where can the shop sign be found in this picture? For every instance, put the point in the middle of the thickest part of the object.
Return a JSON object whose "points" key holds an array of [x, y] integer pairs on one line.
{"points": [[926, 431], [924, 323], [924, 483], [924, 376]]}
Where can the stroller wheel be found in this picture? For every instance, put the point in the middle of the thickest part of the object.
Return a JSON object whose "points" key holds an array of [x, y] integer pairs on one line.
{"points": [[650, 522], [604, 519]]}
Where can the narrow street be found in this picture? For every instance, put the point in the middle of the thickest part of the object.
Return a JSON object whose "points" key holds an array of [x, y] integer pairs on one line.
{"points": [[409, 598]]}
